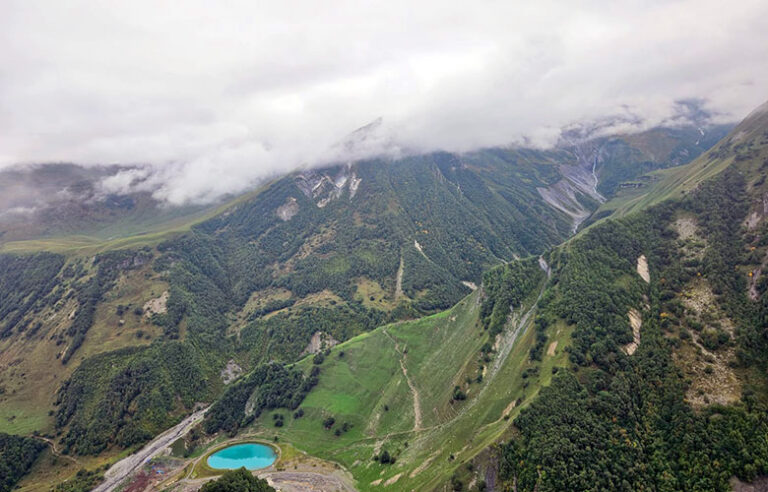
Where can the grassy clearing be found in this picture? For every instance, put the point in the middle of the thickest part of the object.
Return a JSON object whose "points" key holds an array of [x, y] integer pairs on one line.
{"points": [[258, 300], [372, 295], [89, 245], [675, 182], [323, 298], [16, 417]]}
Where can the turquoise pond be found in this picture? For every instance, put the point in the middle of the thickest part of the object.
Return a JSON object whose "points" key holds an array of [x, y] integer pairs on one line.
{"points": [[252, 456]]}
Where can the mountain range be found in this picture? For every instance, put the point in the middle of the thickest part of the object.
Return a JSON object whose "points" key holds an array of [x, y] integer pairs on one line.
{"points": [[580, 317]]}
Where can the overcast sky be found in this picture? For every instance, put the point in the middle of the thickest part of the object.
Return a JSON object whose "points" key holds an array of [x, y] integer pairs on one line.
{"points": [[214, 95]]}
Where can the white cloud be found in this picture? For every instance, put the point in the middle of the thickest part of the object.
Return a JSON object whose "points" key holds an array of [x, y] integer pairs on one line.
{"points": [[215, 95]]}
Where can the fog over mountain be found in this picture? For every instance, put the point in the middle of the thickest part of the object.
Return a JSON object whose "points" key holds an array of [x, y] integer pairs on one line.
{"points": [[208, 100]]}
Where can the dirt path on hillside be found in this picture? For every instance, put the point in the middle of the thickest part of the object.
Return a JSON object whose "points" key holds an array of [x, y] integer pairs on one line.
{"points": [[125, 467], [519, 324], [399, 281], [414, 391], [52, 445]]}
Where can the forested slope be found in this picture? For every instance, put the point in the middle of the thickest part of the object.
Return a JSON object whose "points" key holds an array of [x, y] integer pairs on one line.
{"points": [[17, 454], [687, 409]]}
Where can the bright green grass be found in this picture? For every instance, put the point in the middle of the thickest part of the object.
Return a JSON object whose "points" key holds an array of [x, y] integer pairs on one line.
{"points": [[440, 352], [16, 419]]}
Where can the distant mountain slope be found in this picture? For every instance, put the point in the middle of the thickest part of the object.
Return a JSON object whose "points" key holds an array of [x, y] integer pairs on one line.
{"points": [[744, 145], [54, 200], [68, 207], [605, 165], [625, 157]]}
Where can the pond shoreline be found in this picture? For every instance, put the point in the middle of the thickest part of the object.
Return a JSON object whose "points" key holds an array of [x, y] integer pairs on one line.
{"points": [[202, 469]]}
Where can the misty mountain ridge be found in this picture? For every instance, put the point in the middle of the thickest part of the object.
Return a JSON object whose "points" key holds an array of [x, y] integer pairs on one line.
{"points": [[48, 200]]}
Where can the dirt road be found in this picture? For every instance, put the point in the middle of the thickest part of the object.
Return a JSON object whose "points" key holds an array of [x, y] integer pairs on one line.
{"points": [[125, 467]]}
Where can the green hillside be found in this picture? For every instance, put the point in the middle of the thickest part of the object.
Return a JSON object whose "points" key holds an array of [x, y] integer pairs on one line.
{"points": [[432, 393], [334, 254], [744, 147], [697, 375]]}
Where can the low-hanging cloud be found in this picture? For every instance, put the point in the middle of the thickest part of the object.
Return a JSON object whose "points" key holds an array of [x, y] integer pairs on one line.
{"points": [[206, 98]]}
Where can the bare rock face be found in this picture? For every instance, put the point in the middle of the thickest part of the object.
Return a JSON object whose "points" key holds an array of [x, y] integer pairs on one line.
{"points": [[319, 342], [579, 178], [288, 209], [642, 268], [354, 184], [157, 305], [231, 372], [562, 196], [636, 322], [324, 186]]}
